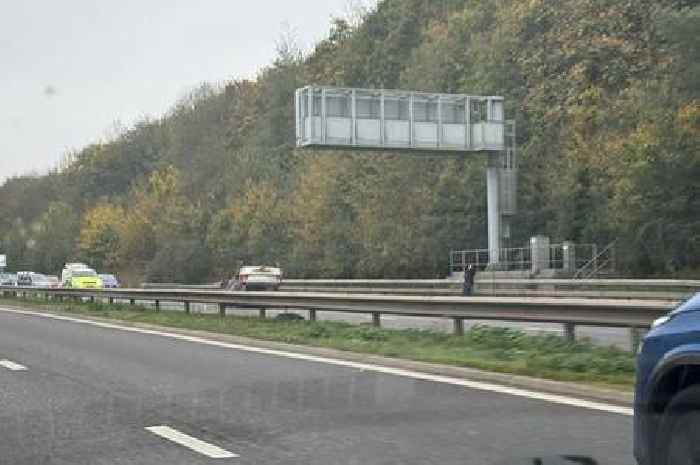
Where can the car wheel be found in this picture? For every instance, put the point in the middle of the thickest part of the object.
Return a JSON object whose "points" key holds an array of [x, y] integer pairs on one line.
{"points": [[678, 438]]}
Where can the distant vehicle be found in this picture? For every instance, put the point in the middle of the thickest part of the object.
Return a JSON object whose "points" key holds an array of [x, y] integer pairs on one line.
{"points": [[8, 279], [80, 276], [109, 281], [69, 268], [261, 278], [40, 280], [31, 279], [24, 278], [667, 394]]}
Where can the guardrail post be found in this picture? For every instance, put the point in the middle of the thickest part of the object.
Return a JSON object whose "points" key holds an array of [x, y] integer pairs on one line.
{"points": [[132, 301], [458, 324], [312, 315], [157, 304], [92, 299], [376, 319], [570, 332], [222, 309], [263, 313], [635, 338], [187, 307], [110, 300]]}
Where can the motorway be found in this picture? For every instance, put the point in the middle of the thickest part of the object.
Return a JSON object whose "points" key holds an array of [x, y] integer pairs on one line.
{"points": [[77, 393]]}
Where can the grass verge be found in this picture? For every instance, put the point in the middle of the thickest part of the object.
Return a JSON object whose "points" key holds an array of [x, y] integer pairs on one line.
{"points": [[496, 349]]}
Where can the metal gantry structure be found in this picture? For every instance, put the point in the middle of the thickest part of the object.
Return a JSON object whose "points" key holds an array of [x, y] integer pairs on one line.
{"points": [[396, 120]]}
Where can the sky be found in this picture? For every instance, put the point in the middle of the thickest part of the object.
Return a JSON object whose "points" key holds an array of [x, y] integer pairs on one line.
{"points": [[72, 71]]}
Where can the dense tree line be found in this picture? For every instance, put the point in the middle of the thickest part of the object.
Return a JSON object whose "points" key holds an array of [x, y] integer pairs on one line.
{"points": [[606, 96]]}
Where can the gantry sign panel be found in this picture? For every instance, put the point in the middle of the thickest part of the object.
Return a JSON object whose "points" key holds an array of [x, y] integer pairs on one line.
{"points": [[391, 119]]}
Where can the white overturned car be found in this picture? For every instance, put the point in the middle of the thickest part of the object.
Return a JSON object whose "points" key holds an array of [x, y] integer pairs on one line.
{"points": [[259, 278]]}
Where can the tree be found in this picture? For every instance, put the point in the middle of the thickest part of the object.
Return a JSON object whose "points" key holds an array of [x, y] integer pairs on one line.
{"points": [[604, 93], [102, 230], [53, 238], [321, 218], [252, 230]]}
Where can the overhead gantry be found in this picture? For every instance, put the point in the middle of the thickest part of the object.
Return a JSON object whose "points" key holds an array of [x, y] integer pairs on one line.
{"points": [[347, 118]]}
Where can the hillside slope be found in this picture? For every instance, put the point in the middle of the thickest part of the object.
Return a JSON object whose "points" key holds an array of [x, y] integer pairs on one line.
{"points": [[605, 93]]}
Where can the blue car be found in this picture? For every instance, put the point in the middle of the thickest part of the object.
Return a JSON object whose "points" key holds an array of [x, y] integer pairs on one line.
{"points": [[667, 396], [109, 281]]}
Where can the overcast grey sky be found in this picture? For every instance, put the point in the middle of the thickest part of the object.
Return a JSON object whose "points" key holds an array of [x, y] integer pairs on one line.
{"points": [[69, 69]]}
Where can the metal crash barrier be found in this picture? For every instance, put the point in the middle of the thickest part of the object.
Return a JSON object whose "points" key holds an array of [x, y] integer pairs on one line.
{"points": [[567, 311]]}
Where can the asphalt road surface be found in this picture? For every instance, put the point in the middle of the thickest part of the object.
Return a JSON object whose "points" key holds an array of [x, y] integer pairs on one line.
{"points": [[73, 393]]}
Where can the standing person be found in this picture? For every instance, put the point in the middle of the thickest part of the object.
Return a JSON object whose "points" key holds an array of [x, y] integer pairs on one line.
{"points": [[469, 275]]}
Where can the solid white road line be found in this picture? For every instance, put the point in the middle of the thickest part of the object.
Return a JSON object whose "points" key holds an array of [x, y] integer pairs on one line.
{"points": [[552, 398], [195, 444], [10, 365]]}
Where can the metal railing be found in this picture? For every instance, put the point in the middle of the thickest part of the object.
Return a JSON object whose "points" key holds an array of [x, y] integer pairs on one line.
{"points": [[568, 311], [461, 259], [567, 257], [487, 283], [603, 261], [655, 289]]}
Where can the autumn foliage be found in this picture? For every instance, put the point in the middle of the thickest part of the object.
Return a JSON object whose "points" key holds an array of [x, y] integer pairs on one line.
{"points": [[605, 93]]}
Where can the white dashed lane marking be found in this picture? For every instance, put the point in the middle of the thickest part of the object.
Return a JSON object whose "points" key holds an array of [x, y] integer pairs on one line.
{"points": [[10, 365], [188, 441]]}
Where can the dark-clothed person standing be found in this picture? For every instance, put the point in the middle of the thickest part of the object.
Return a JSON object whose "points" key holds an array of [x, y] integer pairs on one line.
{"points": [[469, 275]]}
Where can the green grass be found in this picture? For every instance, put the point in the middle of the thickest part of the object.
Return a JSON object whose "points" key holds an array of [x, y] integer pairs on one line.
{"points": [[488, 348]]}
